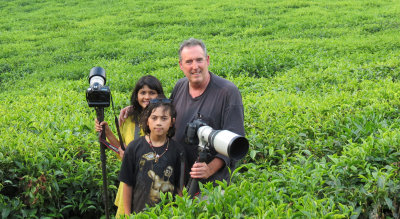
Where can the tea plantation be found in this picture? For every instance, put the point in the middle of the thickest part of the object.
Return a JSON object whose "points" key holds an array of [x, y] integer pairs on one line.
{"points": [[320, 82]]}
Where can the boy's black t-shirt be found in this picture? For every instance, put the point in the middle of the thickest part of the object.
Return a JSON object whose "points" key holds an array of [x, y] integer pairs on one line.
{"points": [[147, 177]]}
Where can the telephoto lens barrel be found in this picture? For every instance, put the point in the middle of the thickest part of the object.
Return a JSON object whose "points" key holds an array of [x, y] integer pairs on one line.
{"points": [[97, 75], [224, 142]]}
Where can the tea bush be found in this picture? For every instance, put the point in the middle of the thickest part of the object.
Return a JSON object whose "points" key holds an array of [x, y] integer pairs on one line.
{"points": [[319, 81]]}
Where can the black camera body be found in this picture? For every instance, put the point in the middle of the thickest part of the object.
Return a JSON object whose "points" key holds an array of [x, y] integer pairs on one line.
{"points": [[98, 95], [191, 131], [210, 142]]}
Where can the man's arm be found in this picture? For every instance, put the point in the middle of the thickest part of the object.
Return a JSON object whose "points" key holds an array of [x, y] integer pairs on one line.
{"points": [[233, 110], [123, 114]]}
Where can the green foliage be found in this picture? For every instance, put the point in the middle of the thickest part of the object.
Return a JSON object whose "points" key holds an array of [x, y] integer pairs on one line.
{"points": [[319, 81]]}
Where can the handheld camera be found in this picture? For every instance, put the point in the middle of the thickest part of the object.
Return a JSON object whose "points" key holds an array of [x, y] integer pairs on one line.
{"points": [[222, 141], [98, 95]]}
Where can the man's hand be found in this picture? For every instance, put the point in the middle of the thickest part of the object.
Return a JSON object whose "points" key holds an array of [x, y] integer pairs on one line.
{"points": [[200, 171], [123, 114], [203, 170]]}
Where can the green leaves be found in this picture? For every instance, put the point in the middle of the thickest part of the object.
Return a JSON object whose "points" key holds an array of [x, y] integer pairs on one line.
{"points": [[319, 81]]}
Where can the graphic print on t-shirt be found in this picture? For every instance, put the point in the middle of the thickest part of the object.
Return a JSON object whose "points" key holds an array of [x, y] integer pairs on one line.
{"points": [[146, 157], [159, 184]]}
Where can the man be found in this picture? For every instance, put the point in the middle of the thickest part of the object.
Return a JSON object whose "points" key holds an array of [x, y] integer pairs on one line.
{"points": [[217, 101]]}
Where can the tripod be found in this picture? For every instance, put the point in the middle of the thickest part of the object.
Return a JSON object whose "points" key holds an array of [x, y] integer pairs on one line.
{"points": [[193, 184]]}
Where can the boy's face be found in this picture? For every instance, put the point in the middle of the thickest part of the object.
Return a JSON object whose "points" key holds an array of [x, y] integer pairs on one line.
{"points": [[159, 122]]}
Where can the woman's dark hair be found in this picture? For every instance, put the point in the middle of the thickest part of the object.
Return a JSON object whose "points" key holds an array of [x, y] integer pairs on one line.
{"points": [[154, 84], [167, 106]]}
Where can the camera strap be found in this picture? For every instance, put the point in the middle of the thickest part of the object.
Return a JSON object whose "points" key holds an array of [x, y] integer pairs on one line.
{"points": [[182, 173], [121, 141], [109, 145], [137, 131]]}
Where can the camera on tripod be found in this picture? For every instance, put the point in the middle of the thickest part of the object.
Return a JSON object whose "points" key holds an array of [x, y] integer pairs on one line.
{"points": [[98, 95], [222, 141]]}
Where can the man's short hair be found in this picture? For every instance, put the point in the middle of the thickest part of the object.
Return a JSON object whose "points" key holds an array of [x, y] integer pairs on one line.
{"points": [[192, 42]]}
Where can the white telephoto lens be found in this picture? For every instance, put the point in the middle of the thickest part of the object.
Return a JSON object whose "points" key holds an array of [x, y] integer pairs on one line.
{"points": [[224, 142]]}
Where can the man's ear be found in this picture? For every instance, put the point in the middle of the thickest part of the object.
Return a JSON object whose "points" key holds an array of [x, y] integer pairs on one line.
{"points": [[173, 122], [180, 65]]}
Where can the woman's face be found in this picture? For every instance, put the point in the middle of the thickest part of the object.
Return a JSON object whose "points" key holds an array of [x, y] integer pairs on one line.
{"points": [[144, 95]]}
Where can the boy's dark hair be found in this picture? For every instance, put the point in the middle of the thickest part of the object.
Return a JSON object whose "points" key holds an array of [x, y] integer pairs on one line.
{"points": [[154, 84], [160, 101]]}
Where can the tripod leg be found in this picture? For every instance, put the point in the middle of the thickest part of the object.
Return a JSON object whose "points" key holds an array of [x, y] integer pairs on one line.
{"points": [[194, 183], [100, 118]]}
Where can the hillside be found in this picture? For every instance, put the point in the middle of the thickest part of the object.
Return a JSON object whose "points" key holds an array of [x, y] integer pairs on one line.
{"points": [[319, 81]]}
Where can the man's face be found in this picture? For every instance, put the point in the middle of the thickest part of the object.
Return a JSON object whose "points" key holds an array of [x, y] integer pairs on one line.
{"points": [[194, 65]]}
